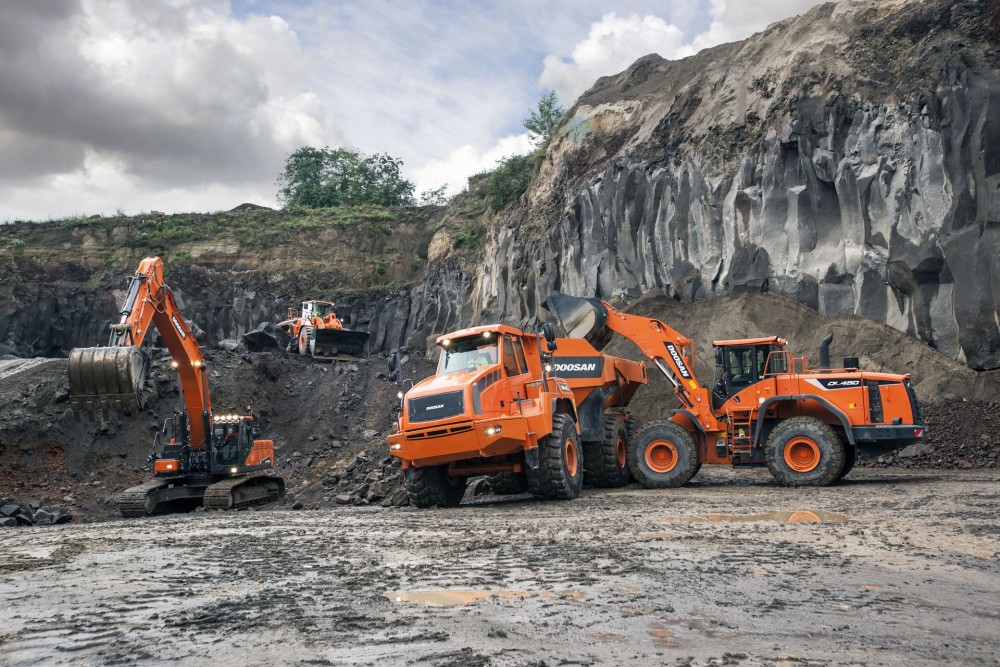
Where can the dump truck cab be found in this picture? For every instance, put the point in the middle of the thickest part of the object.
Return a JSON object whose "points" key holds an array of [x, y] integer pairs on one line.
{"points": [[489, 401]]}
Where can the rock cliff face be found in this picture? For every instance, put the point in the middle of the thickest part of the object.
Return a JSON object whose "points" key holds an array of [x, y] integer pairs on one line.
{"points": [[848, 158]]}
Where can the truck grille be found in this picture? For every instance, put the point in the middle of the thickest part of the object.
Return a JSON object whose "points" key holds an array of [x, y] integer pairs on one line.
{"points": [[433, 408], [874, 402]]}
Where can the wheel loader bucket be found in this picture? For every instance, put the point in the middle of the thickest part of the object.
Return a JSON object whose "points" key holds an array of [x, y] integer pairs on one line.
{"points": [[581, 318], [106, 379], [340, 342]]}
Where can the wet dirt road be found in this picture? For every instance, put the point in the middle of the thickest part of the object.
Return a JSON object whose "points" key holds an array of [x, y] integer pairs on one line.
{"points": [[890, 568]]}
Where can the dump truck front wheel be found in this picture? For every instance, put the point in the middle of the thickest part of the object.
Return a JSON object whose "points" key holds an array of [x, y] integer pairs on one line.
{"points": [[559, 475], [663, 455], [804, 451], [607, 460], [432, 486]]}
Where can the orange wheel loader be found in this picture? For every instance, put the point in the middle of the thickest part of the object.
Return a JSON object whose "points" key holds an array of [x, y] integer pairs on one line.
{"points": [[219, 461], [318, 332], [766, 407], [517, 406]]}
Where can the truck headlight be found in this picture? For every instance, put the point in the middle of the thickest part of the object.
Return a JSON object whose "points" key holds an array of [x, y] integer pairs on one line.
{"points": [[492, 431]]}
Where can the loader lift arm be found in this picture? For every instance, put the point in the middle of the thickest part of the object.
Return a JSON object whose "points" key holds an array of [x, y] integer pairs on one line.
{"points": [[666, 348]]}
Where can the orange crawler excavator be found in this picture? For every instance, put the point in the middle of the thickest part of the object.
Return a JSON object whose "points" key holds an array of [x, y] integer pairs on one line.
{"points": [[215, 460], [767, 407]]}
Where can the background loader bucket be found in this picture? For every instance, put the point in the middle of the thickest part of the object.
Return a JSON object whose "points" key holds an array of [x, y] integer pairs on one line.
{"points": [[337, 342], [581, 318], [106, 379]]}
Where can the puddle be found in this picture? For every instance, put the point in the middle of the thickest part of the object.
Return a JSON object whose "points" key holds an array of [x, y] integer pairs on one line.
{"points": [[664, 637], [802, 516], [609, 637], [459, 598], [869, 587]]}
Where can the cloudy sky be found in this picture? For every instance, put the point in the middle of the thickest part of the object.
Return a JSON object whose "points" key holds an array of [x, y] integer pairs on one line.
{"points": [[193, 105]]}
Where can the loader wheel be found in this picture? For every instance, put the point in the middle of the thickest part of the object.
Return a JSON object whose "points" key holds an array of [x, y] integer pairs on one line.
{"points": [[559, 475], [305, 334], [663, 455], [606, 462], [507, 483], [432, 486], [804, 451], [850, 458]]}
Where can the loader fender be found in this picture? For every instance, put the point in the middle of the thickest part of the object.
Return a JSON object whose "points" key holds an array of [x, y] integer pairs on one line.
{"points": [[834, 410]]}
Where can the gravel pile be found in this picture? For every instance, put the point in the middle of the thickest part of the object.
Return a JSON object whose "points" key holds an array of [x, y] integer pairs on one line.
{"points": [[34, 513], [961, 434], [368, 480]]}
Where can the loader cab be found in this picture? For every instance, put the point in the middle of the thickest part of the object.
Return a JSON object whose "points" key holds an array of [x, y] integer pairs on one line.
{"points": [[319, 309], [742, 363]]}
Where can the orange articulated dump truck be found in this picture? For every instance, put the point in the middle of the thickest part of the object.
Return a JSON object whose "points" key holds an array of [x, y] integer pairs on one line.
{"points": [[517, 406], [766, 407]]}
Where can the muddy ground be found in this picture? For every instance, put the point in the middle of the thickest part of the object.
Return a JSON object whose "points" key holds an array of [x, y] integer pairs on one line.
{"points": [[892, 568]]}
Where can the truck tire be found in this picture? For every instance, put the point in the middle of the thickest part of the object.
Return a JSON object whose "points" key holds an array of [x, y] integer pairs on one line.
{"points": [[507, 483], [850, 458], [559, 475], [606, 462], [663, 455], [804, 451], [432, 486]]}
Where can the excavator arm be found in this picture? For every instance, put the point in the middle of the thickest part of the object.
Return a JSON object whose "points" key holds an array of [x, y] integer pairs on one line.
{"points": [[111, 378], [673, 353]]}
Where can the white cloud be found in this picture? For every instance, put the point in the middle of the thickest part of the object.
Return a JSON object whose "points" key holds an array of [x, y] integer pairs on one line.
{"points": [[613, 44], [465, 161], [121, 102]]}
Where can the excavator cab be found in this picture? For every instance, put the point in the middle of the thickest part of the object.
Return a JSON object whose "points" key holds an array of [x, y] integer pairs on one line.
{"points": [[742, 363]]}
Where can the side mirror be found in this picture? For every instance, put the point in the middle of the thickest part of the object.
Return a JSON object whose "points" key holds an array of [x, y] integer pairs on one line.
{"points": [[550, 335], [395, 367], [718, 356]]}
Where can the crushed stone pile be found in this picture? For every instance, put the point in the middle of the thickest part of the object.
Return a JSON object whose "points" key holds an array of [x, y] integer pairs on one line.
{"points": [[32, 513], [961, 434]]}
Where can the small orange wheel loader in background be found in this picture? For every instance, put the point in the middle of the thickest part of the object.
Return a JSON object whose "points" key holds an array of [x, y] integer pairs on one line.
{"points": [[215, 460], [502, 402], [766, 407], [318, 332]]}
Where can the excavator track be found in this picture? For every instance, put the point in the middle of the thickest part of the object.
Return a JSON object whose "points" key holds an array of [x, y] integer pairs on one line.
{"points": [[241, 492], [140, 500]]}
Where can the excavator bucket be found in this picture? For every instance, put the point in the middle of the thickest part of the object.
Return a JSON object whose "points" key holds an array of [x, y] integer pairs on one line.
{"points": [[106, 379], [339, 342], [581, 318]]}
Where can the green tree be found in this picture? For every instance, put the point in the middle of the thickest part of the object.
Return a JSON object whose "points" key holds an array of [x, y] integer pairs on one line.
{"points": [[509, 180], [325, 177], [543, 120], [436, 197]]}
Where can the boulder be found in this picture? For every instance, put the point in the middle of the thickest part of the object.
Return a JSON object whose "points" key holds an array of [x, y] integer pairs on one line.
{"points": [[43, 517], [230, 345], [266, 337]]}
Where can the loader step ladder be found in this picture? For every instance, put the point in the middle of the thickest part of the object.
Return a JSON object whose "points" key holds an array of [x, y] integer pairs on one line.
{"points": [[741, 435]]}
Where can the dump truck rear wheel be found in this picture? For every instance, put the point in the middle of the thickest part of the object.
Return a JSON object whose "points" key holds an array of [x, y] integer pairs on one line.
{"points": [[663, 455], [607, 461], [804, 451], [559, 475], [508, 483], [432, 486]]}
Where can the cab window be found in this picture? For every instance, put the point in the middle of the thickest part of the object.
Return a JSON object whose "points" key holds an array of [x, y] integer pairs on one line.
{"points": [[509, 359], [467, 354], [519, 352]]}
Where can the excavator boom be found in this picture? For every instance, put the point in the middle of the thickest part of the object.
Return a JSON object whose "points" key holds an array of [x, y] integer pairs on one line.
{"points": [[111, 378]]}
